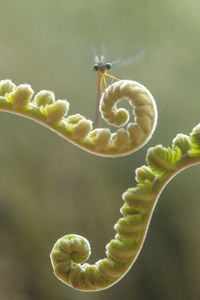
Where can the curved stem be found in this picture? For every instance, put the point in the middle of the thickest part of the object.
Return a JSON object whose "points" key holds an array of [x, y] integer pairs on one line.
{"points": [[77, 129], [70, 252], [140, 201]]}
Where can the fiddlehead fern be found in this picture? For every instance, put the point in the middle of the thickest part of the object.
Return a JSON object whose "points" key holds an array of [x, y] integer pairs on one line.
{"points": [[78, 130], [71, 250], [69, 253]]}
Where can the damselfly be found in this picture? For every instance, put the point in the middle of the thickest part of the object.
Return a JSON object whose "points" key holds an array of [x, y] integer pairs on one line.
{"points": [[102, 69]]}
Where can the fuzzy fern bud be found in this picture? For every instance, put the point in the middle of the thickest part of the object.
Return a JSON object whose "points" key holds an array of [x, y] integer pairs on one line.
{"points": [[6, 86], [44, 98], [182, 141], [195, 141], [55, 112], [21, 97]]}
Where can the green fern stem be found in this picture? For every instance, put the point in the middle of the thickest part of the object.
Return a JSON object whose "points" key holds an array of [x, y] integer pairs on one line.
{"points": [[70, 252], [43, 108]]}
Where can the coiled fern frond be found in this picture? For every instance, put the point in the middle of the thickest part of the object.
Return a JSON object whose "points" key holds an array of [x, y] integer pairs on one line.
{"points": [[70, 253], [43, 108]]}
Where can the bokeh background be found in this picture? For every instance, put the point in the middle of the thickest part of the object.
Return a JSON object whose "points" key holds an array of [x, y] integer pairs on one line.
{"points": [[50, 188]]}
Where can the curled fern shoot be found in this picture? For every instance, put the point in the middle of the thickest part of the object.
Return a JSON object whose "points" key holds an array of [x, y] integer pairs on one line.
{"points": [[43, 108], [70, 252]]}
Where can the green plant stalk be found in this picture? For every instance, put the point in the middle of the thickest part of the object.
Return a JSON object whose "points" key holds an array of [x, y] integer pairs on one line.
{"points": [[70, 252], [162, 165], [43, 108]]}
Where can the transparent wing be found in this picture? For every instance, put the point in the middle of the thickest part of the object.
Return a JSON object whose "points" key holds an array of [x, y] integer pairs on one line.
{"points": [[95, 58], [103, 52], [129, 60]]}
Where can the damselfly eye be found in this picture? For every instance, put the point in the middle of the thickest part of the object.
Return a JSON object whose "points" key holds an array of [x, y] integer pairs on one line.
{"points": [[96, 67], [108, 66]]}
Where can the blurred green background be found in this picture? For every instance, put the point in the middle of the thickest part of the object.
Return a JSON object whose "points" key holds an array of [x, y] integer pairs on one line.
{"points": [[50, 188]]}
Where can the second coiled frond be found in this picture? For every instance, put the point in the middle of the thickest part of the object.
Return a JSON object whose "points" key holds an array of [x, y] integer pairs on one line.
{"points": [[70, 253]]}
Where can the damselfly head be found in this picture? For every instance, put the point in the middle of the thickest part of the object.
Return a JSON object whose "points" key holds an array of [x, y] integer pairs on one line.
{"points": [[102, 67]]}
